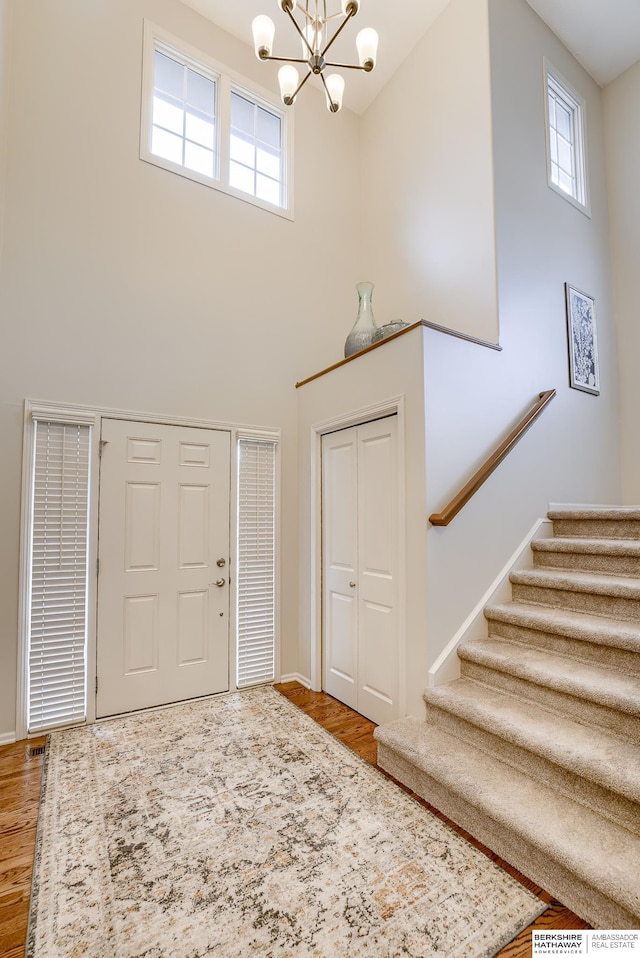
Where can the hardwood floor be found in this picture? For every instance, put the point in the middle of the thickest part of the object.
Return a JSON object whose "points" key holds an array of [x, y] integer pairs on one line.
{"points": [[20, 778], [357, 733]]}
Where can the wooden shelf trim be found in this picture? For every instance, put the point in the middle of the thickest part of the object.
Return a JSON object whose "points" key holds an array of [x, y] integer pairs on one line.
{"points": [[451, 511], [387, 339]]}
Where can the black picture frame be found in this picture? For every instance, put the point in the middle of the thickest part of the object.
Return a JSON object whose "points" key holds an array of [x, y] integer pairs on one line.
{"points": [[584, 373]]}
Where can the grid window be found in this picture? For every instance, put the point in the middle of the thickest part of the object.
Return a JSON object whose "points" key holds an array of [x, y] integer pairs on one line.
{"points": [[565, 139], [202, 122], [255, 161], [184, 115]]}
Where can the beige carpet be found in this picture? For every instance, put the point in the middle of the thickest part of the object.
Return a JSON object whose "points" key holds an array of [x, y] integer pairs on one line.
{"points": [[544, 721], [238, 827]]}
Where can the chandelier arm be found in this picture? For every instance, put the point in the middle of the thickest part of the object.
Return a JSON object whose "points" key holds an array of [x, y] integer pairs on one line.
{"points": [[301, 32], [347, 66], [285, 59], [334, 106], [302, 82], [338, 32]]}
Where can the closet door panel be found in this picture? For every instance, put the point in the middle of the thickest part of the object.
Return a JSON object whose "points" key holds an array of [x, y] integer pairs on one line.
{"points": [[339, 551]]}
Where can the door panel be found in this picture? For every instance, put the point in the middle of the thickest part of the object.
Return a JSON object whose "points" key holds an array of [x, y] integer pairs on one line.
{"points": [[140, 633], [360, 559], [142, 527], [340, 497], [163, 632], [193, 527], [193, 618], [377, 669], [377, 561]]}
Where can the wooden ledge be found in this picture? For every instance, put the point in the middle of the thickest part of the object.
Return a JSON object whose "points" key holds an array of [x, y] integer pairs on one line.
{"points": [[388, 339]]}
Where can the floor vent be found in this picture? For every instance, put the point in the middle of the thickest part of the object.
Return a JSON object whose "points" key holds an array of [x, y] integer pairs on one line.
{"points": [[38, 750]]}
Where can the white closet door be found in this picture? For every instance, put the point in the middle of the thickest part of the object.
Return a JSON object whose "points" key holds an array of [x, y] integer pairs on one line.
{"points": [[340, 557], [163, 587], [360, 562], [377, 570]]}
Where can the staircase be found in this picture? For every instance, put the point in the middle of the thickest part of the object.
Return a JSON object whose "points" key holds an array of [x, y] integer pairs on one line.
{"points": [[535, 750]]}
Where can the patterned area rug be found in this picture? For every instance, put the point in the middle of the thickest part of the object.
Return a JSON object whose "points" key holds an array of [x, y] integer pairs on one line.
{"points": [[237, 827]]}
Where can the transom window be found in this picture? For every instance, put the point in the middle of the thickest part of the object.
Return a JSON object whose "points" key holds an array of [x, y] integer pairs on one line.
{"points": [[204, 122], [184, 115], [256, 150], [566, 162]]}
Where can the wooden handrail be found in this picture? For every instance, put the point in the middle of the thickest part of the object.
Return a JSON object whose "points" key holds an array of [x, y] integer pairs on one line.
{"points": [[444, 518]]}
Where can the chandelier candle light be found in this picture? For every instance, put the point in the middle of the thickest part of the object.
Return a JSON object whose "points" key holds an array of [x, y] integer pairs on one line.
{"points": [[314, 32]]}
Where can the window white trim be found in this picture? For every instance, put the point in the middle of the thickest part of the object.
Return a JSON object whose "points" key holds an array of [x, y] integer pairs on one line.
{"points": [[227, 80], [576, 104]]}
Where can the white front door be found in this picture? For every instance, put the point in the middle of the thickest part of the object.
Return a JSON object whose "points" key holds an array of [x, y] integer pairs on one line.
{"points": [[163, 583], [360, 560]]}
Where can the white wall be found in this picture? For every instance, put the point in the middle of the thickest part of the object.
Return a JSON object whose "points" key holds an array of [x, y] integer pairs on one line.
{"points": [[622, 130], [127, 286], [427, 183], [474, 395], [5, 26]]}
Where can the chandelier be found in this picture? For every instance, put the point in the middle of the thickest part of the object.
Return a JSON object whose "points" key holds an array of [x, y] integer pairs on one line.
{"points": [[314, 26]]}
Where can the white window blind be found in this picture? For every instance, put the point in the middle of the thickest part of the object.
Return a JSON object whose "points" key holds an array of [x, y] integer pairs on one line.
{"points": [[58, 582], [256, 612]]}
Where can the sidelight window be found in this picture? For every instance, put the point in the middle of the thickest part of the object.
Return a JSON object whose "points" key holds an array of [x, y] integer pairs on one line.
{"points": [[58, 564], [256, 591]]}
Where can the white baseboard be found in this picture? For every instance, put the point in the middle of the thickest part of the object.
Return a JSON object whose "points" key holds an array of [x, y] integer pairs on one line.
{"points": [[296, 677], [446, 668], [7, 738]]}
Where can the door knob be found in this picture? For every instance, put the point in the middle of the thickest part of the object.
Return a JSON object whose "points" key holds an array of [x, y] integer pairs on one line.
{"points": [[220, 582], [220, 563], [352, 585]]}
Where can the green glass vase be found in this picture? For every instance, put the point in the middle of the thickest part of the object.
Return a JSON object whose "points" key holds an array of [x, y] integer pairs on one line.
{"points": [[364, 327]]}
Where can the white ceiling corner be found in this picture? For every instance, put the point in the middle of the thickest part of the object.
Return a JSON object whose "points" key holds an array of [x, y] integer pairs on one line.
{"points": [[604, 35]]}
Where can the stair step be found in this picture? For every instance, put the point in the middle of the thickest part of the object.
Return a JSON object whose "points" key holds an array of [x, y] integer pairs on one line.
{"points": [[608, 556], [535, 750], [596, 522], [607, 595], [588, 862], [580, 749], [580, 690], [611, 642]]}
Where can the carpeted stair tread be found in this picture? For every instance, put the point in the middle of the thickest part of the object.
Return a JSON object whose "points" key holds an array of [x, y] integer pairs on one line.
{"points": [[600, 630], [613, 547], [592, 753], [613, 513], [617, 586], [599, 853], [536, 748], [595, 683]]}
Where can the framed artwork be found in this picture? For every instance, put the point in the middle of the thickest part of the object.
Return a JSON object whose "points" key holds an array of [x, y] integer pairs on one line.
{"points": [[583, 341]]}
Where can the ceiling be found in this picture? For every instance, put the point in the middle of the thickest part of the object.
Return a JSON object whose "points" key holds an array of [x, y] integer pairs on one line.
{"points": [[604, 35]]}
